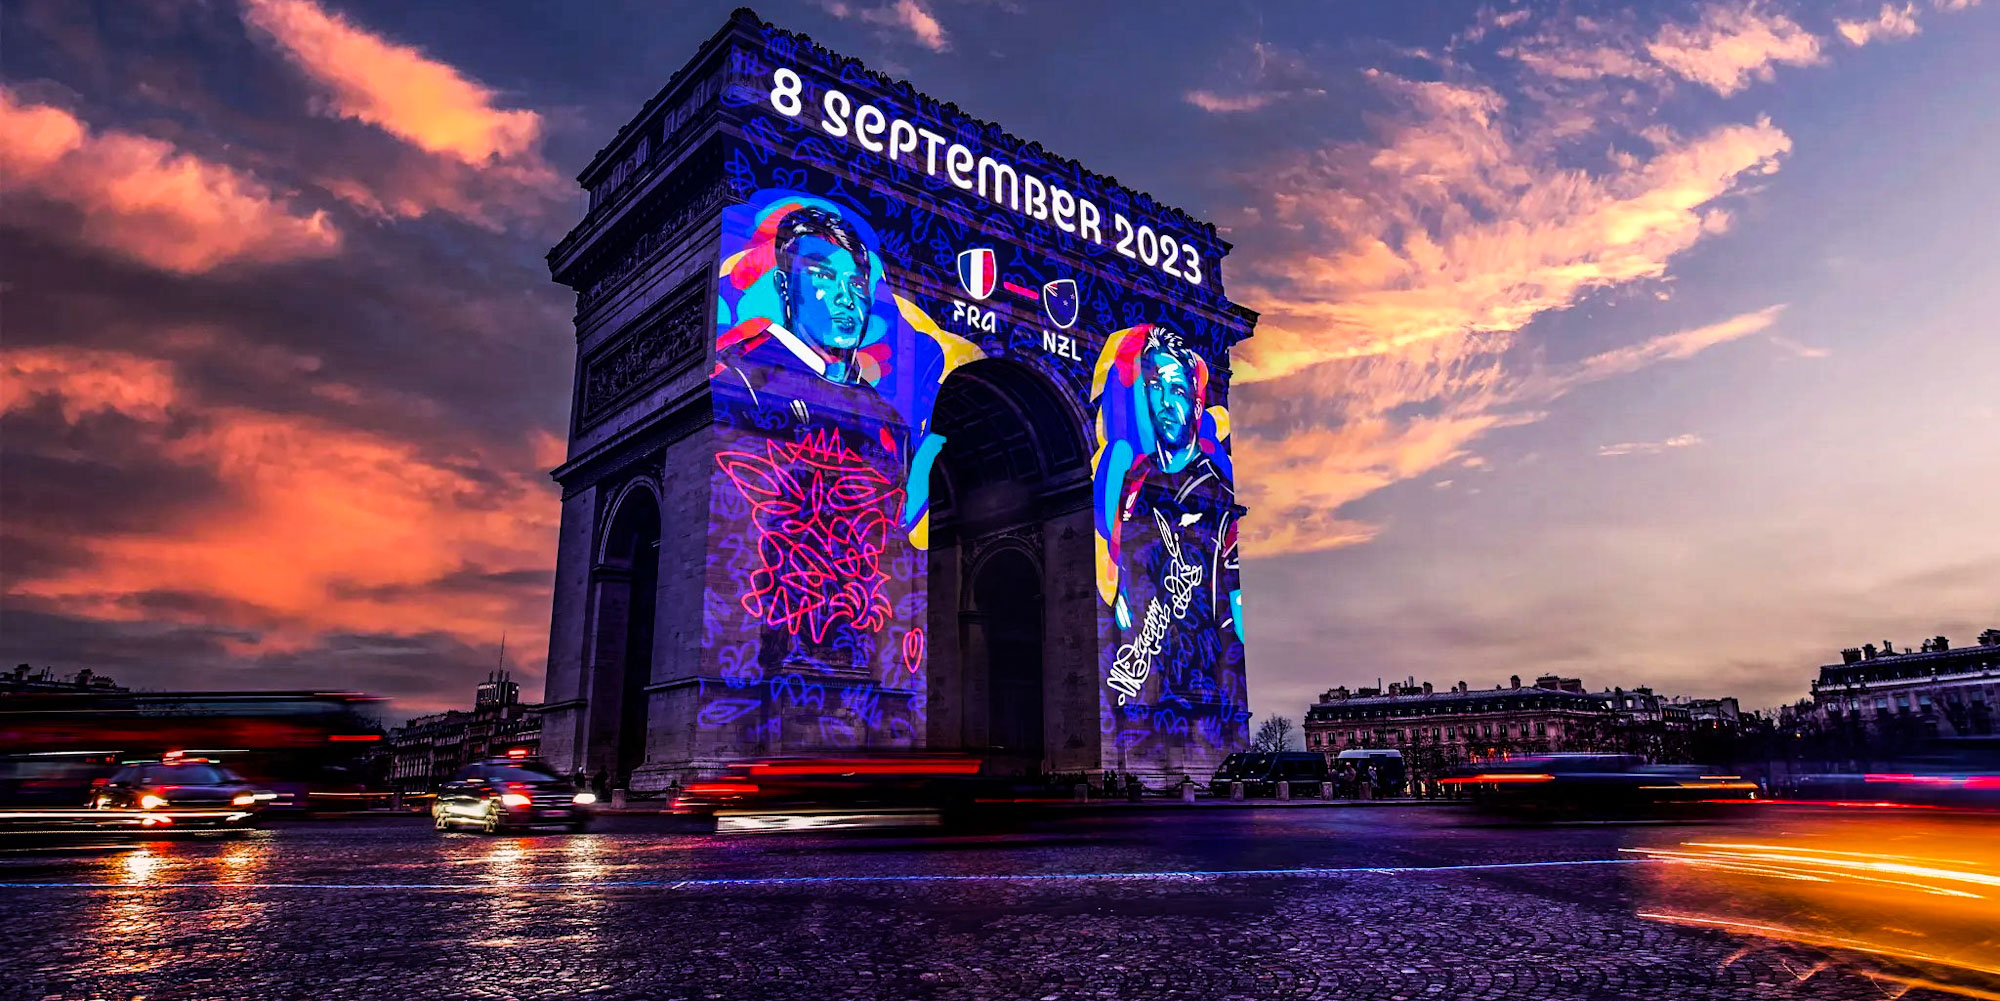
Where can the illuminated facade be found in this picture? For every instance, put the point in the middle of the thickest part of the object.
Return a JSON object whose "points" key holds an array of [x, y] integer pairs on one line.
{"points": [[1935, 691], [889, 431]]}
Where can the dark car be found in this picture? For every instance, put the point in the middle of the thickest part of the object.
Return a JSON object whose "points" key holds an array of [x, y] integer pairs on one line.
{"points": [[52, 780], [855, 790], [1596, 784], [501, 794], [1261, 771], [182, 792], [1949, 772]]}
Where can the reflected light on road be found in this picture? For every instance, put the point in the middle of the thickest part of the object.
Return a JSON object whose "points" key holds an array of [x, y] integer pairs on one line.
{"points": [[1912, 900]]}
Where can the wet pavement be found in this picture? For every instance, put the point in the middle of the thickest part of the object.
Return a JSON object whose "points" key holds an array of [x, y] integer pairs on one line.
{"points": [[1391, 903]]}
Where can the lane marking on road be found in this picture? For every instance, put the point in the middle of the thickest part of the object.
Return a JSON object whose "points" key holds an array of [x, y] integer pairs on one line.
{"points": [[754, 881]]}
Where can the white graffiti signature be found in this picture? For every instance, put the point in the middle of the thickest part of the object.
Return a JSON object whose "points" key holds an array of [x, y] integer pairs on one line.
{"points": [[1133, 663]]}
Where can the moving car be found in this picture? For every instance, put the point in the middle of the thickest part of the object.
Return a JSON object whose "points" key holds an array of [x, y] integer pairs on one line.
{"points": [[1596, 784], [861, 790], [500, 794], [181, 792]]}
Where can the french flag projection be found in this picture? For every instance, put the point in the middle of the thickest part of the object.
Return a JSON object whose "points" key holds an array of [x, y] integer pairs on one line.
{"points": [[977, 271]]}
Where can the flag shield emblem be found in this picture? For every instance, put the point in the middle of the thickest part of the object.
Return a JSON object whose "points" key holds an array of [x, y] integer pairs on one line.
{"points": [[1059, 302], [976, 271]]}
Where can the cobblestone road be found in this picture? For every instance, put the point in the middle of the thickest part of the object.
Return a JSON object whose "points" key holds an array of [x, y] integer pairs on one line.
{"points": [[1377, 903]]}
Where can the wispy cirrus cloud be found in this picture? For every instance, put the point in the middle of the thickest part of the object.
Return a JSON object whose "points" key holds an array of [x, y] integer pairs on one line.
{"points": [[1396, 275], [1271, 75], [146, 200], [1649, 447]]}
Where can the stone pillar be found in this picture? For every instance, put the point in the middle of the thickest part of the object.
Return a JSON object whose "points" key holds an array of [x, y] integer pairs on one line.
{"points": [[1236, 791], [1326, 790], [1284, 789]]}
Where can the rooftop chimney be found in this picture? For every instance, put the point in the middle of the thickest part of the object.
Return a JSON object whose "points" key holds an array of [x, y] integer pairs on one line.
{"points": [[1427, 688], [1851, 655], [1867, 651], [1513, 681]]}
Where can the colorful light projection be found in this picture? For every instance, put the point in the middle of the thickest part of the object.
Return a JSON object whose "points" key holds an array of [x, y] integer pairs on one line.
{"points": [[845, 301]]}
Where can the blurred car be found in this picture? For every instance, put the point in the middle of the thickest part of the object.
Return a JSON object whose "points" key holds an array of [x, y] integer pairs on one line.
{"points": [[885, 789], [1261, 771], [1596, 784], [182, 792], [1950, 773], [57, 779], [500, 794]]}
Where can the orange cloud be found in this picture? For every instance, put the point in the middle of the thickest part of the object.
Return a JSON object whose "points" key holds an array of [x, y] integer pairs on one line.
{"points": [[148, 201], [321, 528], [1395, 278], [395, 87], [85, 382], [1454, 227], [1732, 46]]}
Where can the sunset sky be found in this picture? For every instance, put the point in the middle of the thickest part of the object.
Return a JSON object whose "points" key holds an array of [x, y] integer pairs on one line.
{"points": [[1651, 343]]}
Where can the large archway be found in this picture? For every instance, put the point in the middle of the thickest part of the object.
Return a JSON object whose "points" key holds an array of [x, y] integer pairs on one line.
{"points": [[1011, 648], [628, 577]]}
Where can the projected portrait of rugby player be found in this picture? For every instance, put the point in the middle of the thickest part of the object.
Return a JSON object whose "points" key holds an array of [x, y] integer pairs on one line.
{"points": [[1177, 523], [826, 282]]}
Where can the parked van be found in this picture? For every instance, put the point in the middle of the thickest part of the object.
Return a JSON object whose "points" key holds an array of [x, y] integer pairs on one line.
{"points": [[1261, 771]]}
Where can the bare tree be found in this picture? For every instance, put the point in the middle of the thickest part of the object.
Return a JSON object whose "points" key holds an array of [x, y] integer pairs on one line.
{"points": [[1274, 734]]}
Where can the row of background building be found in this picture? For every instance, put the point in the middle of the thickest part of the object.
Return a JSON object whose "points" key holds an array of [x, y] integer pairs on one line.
{"points": [[1874, 705]]}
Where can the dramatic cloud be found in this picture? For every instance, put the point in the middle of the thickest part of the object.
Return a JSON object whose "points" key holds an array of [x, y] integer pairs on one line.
{"points": [[394, 87], [144, 199], [483, 162], [1650, 447], [1453, 229], [1733, 45], [307, 527], [909, 17], [1395, 277], [1892, 22]]}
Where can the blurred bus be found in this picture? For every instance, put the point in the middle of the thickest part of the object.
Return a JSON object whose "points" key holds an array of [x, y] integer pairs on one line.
{"points": [[312, 748]]}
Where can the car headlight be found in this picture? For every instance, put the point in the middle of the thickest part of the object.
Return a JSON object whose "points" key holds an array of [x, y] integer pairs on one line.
{"points": [[514, 799], [584, 798], [151, 802], [243, 799]]}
